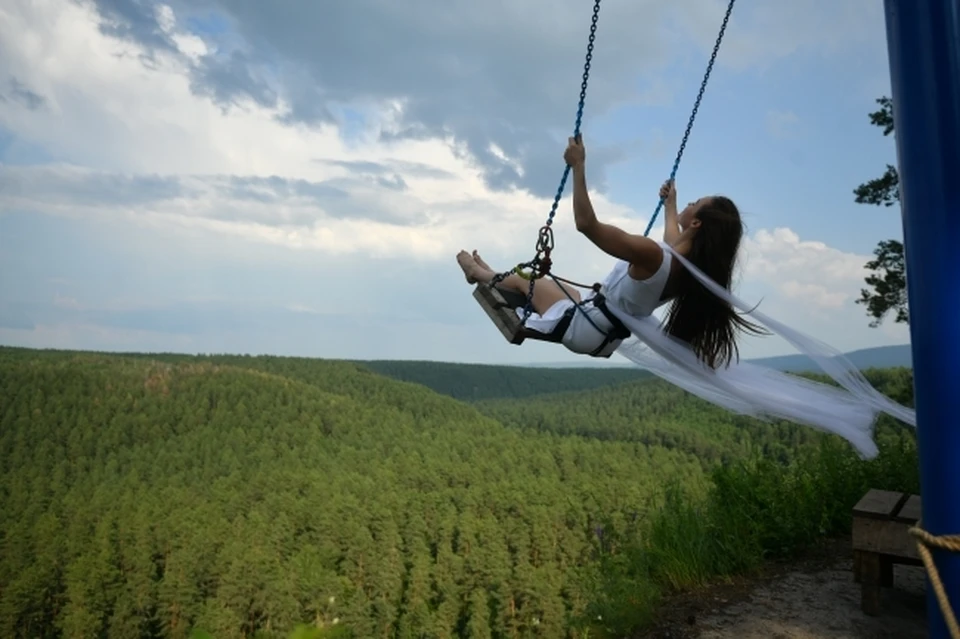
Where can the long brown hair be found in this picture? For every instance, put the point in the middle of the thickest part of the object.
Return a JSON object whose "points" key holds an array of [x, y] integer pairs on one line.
{"points": [[697, 316]]}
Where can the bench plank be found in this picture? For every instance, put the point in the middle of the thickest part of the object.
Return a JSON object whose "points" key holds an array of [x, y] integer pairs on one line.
{"points": [[885, 538], [879, 504], [910, 513]]}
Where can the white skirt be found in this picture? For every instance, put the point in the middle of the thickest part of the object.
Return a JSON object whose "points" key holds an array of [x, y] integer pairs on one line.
{"points": [[580, 337]]}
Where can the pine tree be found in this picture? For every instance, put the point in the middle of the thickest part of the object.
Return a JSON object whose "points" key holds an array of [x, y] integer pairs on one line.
{"points": [[888, 281]]}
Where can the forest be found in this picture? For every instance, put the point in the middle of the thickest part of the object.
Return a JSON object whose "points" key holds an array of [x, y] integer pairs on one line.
{"points": [[163, 495]]}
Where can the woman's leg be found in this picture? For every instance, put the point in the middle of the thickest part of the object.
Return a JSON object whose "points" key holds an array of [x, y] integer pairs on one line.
{"points": [[546, 292]]}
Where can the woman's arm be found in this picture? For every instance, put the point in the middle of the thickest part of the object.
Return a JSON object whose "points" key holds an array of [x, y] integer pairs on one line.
{"points": [[671, 222], [612, 240], [583, 214]]}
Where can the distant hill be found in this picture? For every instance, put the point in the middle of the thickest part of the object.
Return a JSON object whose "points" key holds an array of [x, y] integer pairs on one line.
{"points": [[879, 357], [478, 382]]}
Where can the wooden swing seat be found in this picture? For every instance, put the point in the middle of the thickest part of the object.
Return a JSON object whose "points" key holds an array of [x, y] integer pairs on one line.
{"points": [[500, 306]]}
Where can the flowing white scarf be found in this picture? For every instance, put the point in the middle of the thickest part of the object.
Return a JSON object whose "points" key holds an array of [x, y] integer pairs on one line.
{"points": [[761, 392]]}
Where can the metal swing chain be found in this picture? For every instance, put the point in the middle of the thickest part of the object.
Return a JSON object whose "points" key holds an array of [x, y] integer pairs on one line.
{"points": [[696, 108], [541, 263], [576, 128]]}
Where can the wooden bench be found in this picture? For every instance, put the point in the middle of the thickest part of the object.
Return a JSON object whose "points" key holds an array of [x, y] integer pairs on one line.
{"points": [[881, 521]]}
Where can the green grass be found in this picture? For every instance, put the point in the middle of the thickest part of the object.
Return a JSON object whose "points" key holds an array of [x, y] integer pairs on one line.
{"points": [[754, 511]]}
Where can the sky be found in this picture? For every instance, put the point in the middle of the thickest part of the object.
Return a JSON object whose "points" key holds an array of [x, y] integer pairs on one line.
{"points": [[296, 177]]}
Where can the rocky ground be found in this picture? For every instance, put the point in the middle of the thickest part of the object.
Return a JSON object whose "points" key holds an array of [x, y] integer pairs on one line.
{"points": [[813, 598]]}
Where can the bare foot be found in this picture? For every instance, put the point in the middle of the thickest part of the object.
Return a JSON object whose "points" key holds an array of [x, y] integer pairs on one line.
{"points": [[479, 260], [469, 266]]}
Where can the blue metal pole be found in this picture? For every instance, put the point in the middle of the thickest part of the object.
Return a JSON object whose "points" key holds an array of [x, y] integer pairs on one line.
{"points": [[923, 39]]}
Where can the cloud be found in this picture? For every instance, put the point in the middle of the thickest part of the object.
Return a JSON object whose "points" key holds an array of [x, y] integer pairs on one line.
{"points": [[133, 139], [435, 67], [199, 318], [500, 75], [231, 81], [764, 33], [138, 20], [77, 188], [497, 83], [808, 271], [196, 289], [781, 124], [816, 294], [12, 317], [65, 301], [18, 93], [373, 213], [393, 169]]}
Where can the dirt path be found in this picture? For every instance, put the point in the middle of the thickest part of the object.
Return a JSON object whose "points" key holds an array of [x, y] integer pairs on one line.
{"points": [[815, 598]]}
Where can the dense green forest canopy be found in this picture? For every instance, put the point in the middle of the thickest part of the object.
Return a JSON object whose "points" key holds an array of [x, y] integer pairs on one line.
{"points": [[150, 495], [474, 382]]}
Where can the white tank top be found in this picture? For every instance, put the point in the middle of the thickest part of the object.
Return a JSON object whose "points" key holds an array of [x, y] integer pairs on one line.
{"points": [[638, 298]]}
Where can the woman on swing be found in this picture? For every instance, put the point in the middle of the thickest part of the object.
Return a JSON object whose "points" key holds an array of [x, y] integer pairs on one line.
{"points": [[707, 232], [695, 348]]}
